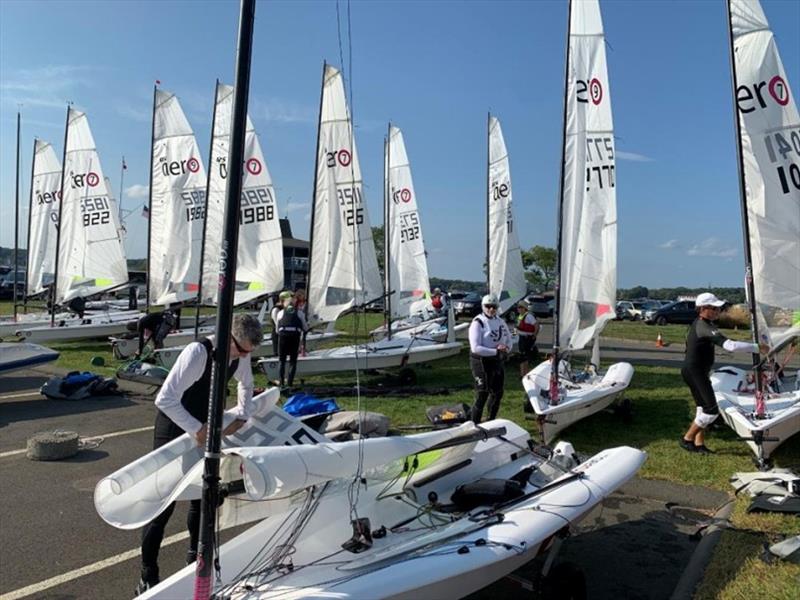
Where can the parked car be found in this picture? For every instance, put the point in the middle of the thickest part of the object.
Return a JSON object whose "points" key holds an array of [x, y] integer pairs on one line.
{"points": [[628, 310], [541, 306], [467, 305], [7, 284], [681, 311]]}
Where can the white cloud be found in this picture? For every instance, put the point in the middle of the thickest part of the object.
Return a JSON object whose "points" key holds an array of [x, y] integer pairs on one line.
{"points": [[137, 191], [135, 114], [49, 86], [633, 156], [669, 244], [712, 247], [276, 110], [295, 206]]}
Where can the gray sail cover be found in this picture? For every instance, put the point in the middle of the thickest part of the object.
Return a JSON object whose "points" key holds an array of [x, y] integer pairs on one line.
{"points": [[409, 263], [588, 254], [91, 257], [177, 205], [344, 267], [506, 273], [45, 192], [259, 264], [770, 130]]}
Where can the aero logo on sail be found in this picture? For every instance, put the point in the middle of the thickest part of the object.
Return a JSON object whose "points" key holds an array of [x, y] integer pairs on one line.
{"points": [[253, 166], [78, 180], [175, 167], [48, 197], [343, 157], [500, 190], [594, 89], [747, 99], [403, 194]]}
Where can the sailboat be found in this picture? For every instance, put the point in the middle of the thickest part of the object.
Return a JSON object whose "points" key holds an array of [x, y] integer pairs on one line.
{"points": [[586, 284], [89, 256], [343, 269], [763, 405], [295, 486]]}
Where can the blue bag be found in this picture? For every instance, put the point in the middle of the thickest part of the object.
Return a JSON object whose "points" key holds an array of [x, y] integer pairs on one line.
{"points": [[300, 405]]}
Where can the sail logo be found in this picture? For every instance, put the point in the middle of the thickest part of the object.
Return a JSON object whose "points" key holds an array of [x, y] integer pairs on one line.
{"points": [[253, 166], [500, 190], [79, 180], [592, 87], [401, 195], [748, 98], [342, 157], [179, 167], [48, 197]]}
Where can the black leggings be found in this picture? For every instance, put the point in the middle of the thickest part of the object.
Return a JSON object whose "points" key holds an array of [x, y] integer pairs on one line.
{"points": [[702, 392], [153, 532], [488, 375], [289, 346]]}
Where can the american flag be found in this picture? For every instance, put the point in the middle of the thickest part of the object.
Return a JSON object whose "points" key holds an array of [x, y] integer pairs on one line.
{"points": [[124, 166], [146, 211]]}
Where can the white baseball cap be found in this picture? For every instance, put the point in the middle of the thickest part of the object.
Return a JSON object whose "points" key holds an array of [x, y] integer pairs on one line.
{"points": [[708, 299]]}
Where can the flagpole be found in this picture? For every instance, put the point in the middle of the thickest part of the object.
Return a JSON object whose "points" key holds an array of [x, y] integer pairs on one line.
{"points": [[16, 219], [227, 289], [121, 192], [150, 200], [28, 235], [54, 288]]}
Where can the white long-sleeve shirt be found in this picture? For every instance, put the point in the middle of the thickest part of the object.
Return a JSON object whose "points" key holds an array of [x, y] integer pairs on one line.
{"points": [[189, 368], [486, 334]]}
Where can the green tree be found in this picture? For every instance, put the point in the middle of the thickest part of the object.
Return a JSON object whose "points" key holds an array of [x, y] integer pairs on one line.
{"points": [[377, 237], [540, 267]]}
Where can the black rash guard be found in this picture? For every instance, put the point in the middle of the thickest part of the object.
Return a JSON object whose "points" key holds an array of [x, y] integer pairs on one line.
{"points": [[703, 336]]}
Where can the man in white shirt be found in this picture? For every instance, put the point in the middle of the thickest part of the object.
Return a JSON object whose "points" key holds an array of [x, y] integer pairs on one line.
{"points": [[489, 341], [182, 406]]}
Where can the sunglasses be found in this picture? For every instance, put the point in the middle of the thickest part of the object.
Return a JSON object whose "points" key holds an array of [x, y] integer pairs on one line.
{"points": [[494, 306], [239, 347]]}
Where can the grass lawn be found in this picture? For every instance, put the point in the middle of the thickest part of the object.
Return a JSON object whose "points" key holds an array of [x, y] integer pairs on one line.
{"points": [[671, 334], [662, 408]]}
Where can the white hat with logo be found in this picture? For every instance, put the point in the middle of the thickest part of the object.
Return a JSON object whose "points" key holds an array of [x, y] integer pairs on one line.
{"points": [[708, 299]]}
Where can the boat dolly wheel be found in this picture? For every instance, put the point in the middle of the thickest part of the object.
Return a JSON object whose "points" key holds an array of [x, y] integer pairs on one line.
{"points": [[408, 376]]}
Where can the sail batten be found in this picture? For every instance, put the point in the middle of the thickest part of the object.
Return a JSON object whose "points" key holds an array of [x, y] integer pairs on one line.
{"points": [[91, 256], [344, 267], [506, 273], [177, 205], [769, 130], [588, 251], [409, 264], [259, 266]]}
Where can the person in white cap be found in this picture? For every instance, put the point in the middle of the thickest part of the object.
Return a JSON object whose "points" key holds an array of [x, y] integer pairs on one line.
{"points": [[489, 341], [703, 335]]}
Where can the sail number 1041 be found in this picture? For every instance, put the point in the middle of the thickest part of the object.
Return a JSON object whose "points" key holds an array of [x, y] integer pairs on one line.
{"points": [[785, 146]]}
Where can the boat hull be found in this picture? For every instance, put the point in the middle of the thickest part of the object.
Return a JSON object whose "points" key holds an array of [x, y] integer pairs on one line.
{"points": [[97, 327], [737, 409], [578, 401], [16, 356]]}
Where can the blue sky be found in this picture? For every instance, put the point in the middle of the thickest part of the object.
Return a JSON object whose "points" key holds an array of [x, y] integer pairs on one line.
{"points": [[434, 69]]}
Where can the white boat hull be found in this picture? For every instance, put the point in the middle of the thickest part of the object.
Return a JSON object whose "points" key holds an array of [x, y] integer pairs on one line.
{"points": [[782, 417], [384, 355], [16, 356], [96, 327], [428, 545], [166, 357], [577, 401], [9, 327]]}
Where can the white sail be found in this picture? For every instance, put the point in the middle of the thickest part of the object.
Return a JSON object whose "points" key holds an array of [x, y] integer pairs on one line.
{"points": [[408, 271], [506, 274], [588, 253], [344, 267], [45, 192], [91, 258], [177, 205], [770, 132], [259, 265]]}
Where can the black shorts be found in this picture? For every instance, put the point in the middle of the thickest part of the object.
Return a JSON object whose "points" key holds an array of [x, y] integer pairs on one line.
{"points": [[527, 347], [702, 392]]}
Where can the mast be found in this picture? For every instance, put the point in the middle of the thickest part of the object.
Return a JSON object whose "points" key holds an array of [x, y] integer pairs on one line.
{"points": [[150, 200], [205, 559], [58, 229], [387, 262], [557, 283], [488, 203], [748, 258], [122, 168], [16, 220], [28, 236], [205, 220], [314, 196]]}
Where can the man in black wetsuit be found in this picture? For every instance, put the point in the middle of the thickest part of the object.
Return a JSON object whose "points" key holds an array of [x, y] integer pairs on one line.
{"points": [[703, 336], [155, 326], [182, 406]]}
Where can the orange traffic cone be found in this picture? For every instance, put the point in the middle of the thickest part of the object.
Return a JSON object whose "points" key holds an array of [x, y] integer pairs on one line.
{"points": [[659, 341]]}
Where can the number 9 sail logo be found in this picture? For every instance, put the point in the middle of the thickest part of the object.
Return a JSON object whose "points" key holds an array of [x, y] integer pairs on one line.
{"points": [[596, 91]]}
